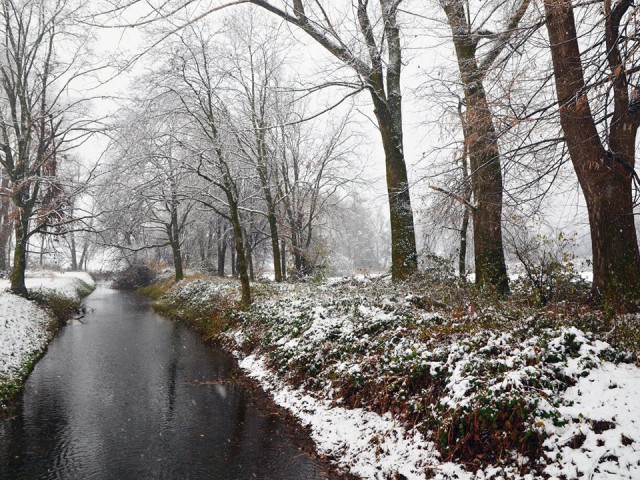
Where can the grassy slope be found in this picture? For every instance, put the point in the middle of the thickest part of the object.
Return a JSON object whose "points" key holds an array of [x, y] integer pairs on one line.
{"points": [[483, 380]]}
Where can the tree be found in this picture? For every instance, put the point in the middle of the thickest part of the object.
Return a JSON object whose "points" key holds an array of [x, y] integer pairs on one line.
{"points": [[147, 174], [481, 139], [192, 77], [312, 164], [379, 66], [376, 59], [257, 61], [601, 142], [35, 122]]}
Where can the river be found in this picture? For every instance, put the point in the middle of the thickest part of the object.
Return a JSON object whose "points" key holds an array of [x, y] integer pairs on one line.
{"points": [[127, 394]]}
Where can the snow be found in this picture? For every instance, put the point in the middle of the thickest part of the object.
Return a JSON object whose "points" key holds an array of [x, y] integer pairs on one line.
{"points": [[606, 398], [305, 343], [63, 283], [369, 445], [25, 328], [376, 446], [24, 331]]}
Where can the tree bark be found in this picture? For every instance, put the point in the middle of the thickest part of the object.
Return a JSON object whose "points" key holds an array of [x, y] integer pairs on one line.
{"points": [[221, 251], [73, 251], [283, 259], [18, 285], [5, 225], [484, 158], [605, 175], [242, 264]]}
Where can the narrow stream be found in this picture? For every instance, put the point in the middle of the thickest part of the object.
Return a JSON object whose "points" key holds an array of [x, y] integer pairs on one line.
{"points": [[131, 395]]}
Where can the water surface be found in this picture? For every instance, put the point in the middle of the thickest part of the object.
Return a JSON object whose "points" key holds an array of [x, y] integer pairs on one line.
{"points": [[131, 395]]}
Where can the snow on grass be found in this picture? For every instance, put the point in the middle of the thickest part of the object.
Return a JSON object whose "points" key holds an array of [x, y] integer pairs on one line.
{"points": [[599, 434], [26, 329], [62, 283], [364, 443], [394, 383]]}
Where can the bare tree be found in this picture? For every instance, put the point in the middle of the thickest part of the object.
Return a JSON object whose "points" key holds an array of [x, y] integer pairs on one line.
{"points": [[147, 174], [481, 139], [35, 118], [370, 46], [602, 141]]}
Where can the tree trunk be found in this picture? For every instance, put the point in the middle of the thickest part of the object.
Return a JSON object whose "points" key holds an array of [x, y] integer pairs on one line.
{"points": [[466, 214], [222, 251], [83, 256], [243, 266], [73, 251], [462, 257], [42, 247], [20, 258], [5, 226], [174, 240], [275, 246], [249, 255], [177, 260], [234, 263], [283, 259], [605, 176], [484, 158], [404, 258]]}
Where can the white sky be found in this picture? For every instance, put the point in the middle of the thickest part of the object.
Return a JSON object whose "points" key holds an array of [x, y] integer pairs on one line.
{"points": [[429, 51]]}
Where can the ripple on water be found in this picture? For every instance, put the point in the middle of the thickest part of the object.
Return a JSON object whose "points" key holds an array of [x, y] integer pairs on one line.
{"points": [[129, 394]]}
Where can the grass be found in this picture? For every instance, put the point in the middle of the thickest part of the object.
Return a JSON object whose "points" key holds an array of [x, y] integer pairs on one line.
{"points": [[209, 311], [407, 348]]}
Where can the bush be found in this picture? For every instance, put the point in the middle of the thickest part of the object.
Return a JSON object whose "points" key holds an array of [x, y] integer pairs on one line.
{"points": [[134, 277]]}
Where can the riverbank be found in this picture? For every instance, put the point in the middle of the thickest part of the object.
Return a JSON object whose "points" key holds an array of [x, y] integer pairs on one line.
{"points": [[27, 326], [416, 381]]}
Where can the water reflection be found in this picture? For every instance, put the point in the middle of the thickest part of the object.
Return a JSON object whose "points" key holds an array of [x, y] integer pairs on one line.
{"points": [[131, 395]]}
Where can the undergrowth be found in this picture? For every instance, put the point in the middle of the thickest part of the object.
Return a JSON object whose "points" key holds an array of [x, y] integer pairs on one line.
{"points": [[210, 311], [478, 375]]}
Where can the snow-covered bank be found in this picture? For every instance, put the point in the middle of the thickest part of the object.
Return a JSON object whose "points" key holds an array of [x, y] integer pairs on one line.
{"points": [[394, 383], [26, 328]]}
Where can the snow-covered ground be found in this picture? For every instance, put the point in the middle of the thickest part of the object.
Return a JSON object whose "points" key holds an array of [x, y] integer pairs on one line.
{"points": [[63, 283], [594, 433], [25, 328], [313, 346]]}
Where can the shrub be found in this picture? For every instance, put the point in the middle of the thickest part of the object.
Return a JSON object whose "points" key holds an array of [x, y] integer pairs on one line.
{"points": [[134, 277]]}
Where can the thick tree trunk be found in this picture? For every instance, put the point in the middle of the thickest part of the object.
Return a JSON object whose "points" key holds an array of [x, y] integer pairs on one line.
{"points": [[404, 258], [20, 258], [243, 265], [484, 158], [605, 176]]}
